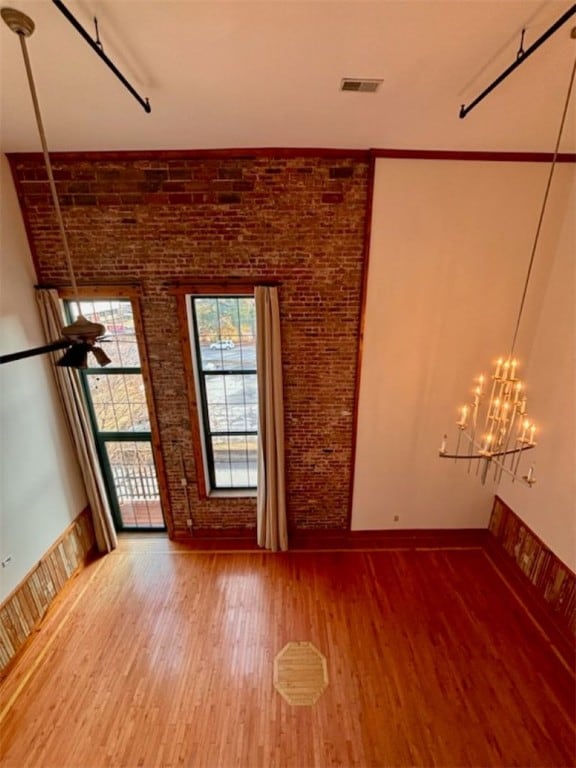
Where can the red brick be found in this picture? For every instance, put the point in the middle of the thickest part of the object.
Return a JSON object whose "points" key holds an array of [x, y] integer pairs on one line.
{"points": [[288, 222]]}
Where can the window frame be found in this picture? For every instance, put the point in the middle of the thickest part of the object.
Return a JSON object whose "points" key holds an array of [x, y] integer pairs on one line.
{"points": [[211, 488], [181, 290], [132, 293]]}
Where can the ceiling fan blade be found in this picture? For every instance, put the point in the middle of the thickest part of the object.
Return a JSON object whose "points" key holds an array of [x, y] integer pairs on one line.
{"points": [[101, 356], [55, 345], [77, 355]]}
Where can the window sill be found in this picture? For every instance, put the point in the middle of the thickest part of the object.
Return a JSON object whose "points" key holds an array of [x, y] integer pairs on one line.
{"points": [[241, 494]]}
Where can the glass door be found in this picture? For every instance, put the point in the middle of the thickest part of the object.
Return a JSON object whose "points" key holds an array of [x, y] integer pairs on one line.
{"points": [[118, 408]]}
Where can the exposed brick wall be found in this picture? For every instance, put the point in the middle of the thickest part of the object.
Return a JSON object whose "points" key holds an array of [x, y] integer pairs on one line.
{"points": [[159, 217]]}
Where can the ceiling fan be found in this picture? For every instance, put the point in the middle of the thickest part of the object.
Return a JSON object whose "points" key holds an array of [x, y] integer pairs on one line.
{"points": [[80, 337]]}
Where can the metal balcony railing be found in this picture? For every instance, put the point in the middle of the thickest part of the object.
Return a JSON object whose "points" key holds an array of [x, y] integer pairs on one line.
{"points": [[135, 483]]}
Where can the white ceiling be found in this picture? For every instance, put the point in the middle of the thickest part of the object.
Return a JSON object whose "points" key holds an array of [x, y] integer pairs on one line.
{"points": [[246, 74]]}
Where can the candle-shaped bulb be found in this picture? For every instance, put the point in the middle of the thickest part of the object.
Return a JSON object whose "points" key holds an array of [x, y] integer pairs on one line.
{"points": [[530, 475], [532, 433], [443, 445], [498, 367], [513, 369]]}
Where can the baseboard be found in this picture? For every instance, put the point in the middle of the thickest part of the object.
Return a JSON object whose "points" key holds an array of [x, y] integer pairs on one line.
{"points": [[337, 538], [418, 538], [24, 608], [219, 539]]}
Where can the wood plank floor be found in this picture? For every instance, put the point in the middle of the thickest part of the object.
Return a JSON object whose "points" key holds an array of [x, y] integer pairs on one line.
{"points": [[159, 656]]}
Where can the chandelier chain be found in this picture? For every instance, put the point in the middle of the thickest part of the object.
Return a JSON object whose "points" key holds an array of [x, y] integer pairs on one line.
{"points": [[543, 208]]}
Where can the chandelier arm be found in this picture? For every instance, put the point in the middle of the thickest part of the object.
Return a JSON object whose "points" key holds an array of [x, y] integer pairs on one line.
{"points": [[494, 455], [49, 169], [543, 209]]}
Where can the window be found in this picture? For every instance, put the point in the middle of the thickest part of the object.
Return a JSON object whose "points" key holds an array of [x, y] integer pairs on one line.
{"points": [[224, 341], [120, 418]]}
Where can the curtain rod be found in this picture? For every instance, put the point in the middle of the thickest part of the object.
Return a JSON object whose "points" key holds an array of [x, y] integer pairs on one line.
{"points": [[522, 56], [96, 45]]}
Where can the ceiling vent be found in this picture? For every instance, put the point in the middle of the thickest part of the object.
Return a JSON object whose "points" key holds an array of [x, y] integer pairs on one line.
{"points": [[360, 85]]}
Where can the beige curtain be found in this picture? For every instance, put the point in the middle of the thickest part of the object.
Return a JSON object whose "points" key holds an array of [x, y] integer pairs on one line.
{"points": [[78, 424], [272, 527]]}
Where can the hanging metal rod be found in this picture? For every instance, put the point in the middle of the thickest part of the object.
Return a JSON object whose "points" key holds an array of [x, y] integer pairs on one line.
{"points": [[96, 45], [53, 347], [522, 56]]}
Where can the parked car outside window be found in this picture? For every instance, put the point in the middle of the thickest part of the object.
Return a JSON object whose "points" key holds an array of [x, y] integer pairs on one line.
{"points": [[222, 344]]}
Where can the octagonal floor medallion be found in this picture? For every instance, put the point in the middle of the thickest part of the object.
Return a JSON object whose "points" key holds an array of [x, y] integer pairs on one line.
{"points": [[300, 673]]}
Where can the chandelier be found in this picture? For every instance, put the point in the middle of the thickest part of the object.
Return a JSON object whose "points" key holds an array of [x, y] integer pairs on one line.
{"points": [[494, 429]]}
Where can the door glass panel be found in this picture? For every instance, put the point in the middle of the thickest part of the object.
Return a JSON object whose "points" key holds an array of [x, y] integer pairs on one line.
{"points": [[135, 483], [119, 402]]}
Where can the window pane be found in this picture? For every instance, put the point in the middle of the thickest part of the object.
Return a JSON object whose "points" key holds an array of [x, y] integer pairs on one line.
{"points": [[235, 461], [232, 403], [119, 402], [120, 343], [226, 332]]}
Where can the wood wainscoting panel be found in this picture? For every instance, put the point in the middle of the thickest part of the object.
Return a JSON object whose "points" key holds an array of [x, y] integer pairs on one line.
{"points": [[25, 607], [551, 580]]}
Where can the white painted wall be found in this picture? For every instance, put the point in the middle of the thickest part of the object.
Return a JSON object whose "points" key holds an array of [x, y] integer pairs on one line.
{"points": [[450, 244], [40, 487]]}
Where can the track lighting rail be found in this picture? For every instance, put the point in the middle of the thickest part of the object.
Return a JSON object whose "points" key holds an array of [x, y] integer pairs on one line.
{"points": [[521, 57], [96, 46]]}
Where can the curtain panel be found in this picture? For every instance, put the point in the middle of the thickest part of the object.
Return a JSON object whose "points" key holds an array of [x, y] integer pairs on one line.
{"points": [[78, 423], [272, 528]]}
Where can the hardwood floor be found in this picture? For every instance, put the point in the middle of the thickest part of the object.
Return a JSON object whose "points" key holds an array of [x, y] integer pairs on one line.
{"points": [[161, 656]]}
